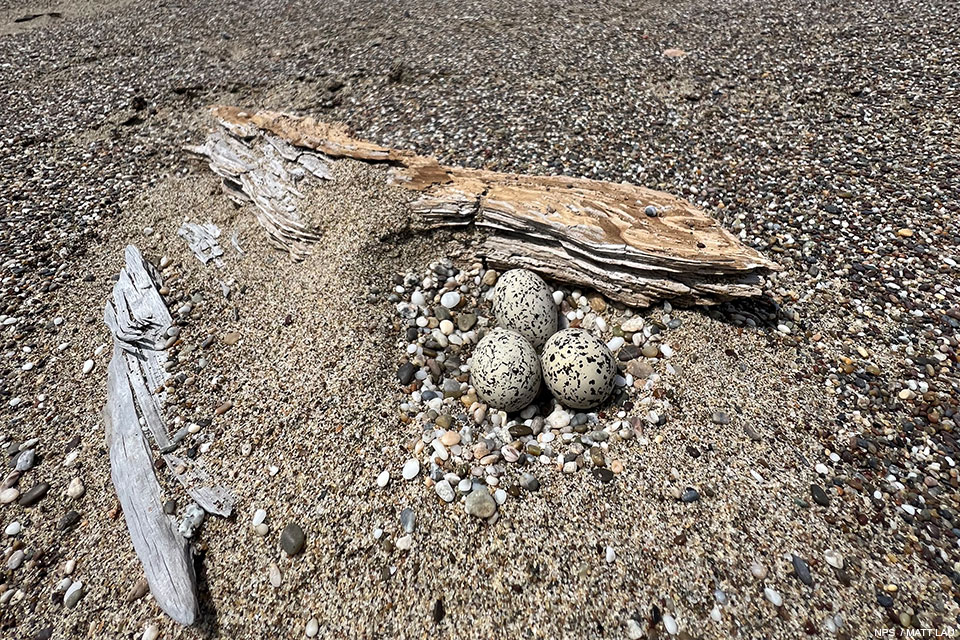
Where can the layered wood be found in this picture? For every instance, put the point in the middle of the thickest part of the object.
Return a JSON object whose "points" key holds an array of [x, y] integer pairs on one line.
{"points": [[632, 244], [139, 320]]}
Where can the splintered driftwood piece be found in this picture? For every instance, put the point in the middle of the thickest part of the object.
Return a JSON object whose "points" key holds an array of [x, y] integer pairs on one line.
{"points": [[630, 243], [264, 170], [139, 319], [202, 240]]}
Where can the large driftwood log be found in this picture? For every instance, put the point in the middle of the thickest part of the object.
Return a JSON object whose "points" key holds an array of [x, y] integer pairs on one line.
{"points": [[630, 243], [139, 319]]}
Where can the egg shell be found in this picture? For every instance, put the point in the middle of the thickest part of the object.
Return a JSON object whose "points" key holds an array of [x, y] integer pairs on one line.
{"points": [[523, 302], [505, 370], [578, 368]]}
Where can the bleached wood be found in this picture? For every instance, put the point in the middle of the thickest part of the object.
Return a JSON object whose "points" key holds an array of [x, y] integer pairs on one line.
{"points": [[587, 233]]}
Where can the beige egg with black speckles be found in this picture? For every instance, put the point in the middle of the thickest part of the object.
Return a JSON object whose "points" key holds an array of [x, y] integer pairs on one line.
{"points": [[523, 302], [578, 368], [505, 370]]}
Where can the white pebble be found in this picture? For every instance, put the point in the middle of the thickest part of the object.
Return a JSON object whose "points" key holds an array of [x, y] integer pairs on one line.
{"points": [[275, 578], [87, 367], [611, 555], [152, 632], [411, 468], [73, 594], [383, 479], [670, 624], [450, 299], [259, 516], [313, 628], [773, 596], [13, 529], [76, 489], [404, 543]]}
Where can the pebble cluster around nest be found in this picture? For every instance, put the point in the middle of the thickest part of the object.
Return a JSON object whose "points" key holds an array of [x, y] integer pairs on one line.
{"points": [[468, 450]]}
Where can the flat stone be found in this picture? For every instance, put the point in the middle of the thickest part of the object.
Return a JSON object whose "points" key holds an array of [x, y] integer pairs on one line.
{"points": [[690, 495], [408, 520], [628, 352], [69, 520], [9, 495], [720, 417], [466, 321], [24, 461], [819, 496], [450, 299], [480, 504], [802, 570], [15, 559], [603, 474], [36, 493], [292, 539]]}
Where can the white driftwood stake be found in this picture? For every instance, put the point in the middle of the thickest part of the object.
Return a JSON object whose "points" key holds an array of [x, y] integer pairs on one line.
{"points": [[139, 319], [632, 244]]}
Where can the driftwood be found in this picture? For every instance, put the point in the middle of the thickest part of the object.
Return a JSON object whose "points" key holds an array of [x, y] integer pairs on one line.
{"points": [[264, 170], [203, 240], [139, 319], [630, 243]]}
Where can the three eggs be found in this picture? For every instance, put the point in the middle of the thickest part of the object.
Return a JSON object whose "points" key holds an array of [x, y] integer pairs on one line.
{"points": [[578, 368]]}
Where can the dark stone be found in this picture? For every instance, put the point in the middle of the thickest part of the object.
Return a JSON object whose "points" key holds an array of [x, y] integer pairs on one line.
{"points": [[690, 495], [44, 634], [884, 600], [405, 373], [465, 322], [602, 474], [802, 571], [69, 520], [36, 493], [819, 496], [438, 611], [170, 507], [520, 430], [628, 352], [292, 539], [529, 482], [692, 451]]}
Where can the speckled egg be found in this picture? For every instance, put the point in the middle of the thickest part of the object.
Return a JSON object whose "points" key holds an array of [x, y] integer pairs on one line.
{"points": [[505, 370], [522, 301], [578, 368]]}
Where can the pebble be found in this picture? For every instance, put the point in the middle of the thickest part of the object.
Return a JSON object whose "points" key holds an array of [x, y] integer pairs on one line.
{"points": [[274, 574], [15, 559], [408, 520], [87, 367], [450, 299], [25, 460], [670, 624], [833, 558], [405, 543], [292, 539], [151, 632], [259, 516], [480, 504], [76, 489], [690, 495], [802, 570], [9, 495], [719, 417], [313, 628], [73, 595], [411, 468], [34, 495], [13, 529], [610, 555], [775, 598], [819, 495], [445, 491], [383, 479]]}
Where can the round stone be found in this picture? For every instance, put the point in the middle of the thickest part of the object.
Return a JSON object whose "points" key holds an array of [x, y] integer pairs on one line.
{"points": [[480, 504], [445, 491], [450, 299], [523, 302], [505, 371], [313, 628], [292, 539], [578, 368], [13, 529]]}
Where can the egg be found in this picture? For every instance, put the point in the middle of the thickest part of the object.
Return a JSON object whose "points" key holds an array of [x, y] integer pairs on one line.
{"points": [[505, 370], [523, 302], [578, 368]]}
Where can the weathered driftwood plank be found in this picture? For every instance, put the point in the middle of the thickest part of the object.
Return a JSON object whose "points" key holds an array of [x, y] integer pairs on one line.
{"points": [[139, 319], [633, 244]]}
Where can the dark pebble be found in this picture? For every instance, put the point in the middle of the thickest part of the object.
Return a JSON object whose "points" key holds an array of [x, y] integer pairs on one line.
{"points": [[465, 322], [628, 352], [802, 570], [69, 520], [438, 610], [603, 474], [520, 430], [884, 600], [292, 539], [44, 634], [406, 372], [690, 495], [34, 495], [819, 496], [170, 507]]}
